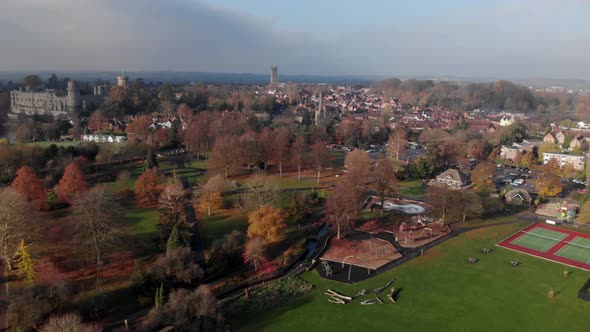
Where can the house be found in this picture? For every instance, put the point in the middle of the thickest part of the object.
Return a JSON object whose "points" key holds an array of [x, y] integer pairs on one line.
{"points": [[518, 196], [510, 152], [550, 138], [506, 121], [577, 161], [576, 142], [560, 137], [451, 178]]}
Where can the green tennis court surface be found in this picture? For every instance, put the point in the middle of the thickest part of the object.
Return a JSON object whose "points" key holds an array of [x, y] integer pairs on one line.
{"points": [[577, 249], [540, 239]]}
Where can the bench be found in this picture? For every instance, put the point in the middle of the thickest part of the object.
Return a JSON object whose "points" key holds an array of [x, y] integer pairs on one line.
{"points": [[514, 263], [472, 260], [486, 250]]}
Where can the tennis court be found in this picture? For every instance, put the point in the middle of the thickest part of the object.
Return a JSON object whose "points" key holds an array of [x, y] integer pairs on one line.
{"points": [[552, 243], [577, 249]]}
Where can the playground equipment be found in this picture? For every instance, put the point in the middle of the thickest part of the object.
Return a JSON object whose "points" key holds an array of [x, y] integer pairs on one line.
{"points": [[336, 297], [426, 230], [327, 268], [566, 211]]}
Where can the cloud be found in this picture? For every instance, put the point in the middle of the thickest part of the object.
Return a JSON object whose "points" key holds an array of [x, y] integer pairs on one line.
{"points": [[145, 35]]}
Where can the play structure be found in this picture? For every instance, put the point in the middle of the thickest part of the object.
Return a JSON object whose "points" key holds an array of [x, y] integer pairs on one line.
{"points": [[370, 253], [403, 206], [339, 298], [415, 231]]}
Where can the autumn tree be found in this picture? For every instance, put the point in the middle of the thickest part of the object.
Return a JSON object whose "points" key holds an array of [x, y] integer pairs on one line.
{"points": [[548, 147], [397, 142], [471, 205], [224, 155], [25, 265], [226, 252], [16, 223], [255, 252], [584, 215], [384, 180], [296, 207], [320, 157], [171, 205], [149, 185], [176, 267], [210, 200], [298, 154], [97, 121], [72, 183], [268, 223], [342, 204], [358, 161], [548, 184], [95, 213], [32, 81], [139, 128], [280, 146], [28, 184], [482, 177], [447, 204]]}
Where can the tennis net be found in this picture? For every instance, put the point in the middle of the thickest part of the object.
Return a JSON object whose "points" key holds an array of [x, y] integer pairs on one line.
{"points": [[544, 236]]}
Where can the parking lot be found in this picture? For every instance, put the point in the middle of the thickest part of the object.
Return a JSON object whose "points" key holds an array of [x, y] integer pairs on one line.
{"points": [[506, 175]]}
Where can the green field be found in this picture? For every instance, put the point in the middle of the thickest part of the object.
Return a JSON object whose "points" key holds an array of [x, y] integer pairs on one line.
{"points": [[441, 292], [412, 189], [578, 249], [540, 239]]}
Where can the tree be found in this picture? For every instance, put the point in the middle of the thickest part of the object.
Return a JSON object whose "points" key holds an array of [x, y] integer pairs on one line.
{"points": [[267, 223], [25, 265], [224, 154], [358, 161], [69, 322], [176, 267], [548, 184], [342, 204], [97, 121], [548, 147], [173, 240], [72, 183], [584, 215], [482, 177], [28, 184], [280, 146], [255, 252], [210, 200], [171, 206], [296, 207], [187, 311], [139, 128], [95, 213], [320, 157], [260, 190], [447, 204], [16, 223], [397, 142], [226, 252], [150, 161], [32, 81], [299, 148], [471, 205], [384, 181], [149, 185]]}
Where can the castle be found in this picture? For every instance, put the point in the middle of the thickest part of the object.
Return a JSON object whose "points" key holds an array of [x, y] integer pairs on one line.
{"points": [[51, 102]]}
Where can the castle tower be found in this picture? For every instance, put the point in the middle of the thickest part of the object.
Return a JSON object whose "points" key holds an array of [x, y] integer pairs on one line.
{"points": [[274, 75], [73, 98], [122, 80]]}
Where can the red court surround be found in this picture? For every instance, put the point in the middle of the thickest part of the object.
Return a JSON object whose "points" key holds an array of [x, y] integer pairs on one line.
{"points": [[550, 254]]}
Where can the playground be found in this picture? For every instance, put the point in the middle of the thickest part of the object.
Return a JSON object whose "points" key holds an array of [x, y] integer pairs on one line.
{"points": [[413, 233], [558, 210], [553, 244], [369, 253]]}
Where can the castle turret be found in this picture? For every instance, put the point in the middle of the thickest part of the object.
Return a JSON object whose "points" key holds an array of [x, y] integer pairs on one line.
{"points": [[74, 102], [122, 80]]}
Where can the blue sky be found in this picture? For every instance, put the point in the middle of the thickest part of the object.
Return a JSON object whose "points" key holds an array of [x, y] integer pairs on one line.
{"points": [[497, 39]]}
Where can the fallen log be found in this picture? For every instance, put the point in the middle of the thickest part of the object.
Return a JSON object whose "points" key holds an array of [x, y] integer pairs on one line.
{"points": [[390, 295], [336, 294], [379, 299], [336, 301], [367, 302]]}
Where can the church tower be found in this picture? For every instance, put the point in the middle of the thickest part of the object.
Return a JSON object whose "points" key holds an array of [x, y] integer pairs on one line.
{"points": [[73, 99], [319, 110]]}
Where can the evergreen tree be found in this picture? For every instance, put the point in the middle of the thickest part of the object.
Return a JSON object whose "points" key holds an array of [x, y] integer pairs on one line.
{"points": [[150, 161], [173, 240], [159, 299], [25, 264]]}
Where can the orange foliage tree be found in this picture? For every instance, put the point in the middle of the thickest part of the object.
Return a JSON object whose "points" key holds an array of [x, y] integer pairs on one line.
{"points": [[72, 183], [149, 185], [267, 223], [28, 184]]}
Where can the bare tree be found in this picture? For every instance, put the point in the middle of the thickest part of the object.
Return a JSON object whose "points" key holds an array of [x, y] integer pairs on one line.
{"points": [[384, 181], [299, 149], [321, 157], [280, 146], [259, 190], [397, 142], [95, 213], [224, 155], [68, 322]]}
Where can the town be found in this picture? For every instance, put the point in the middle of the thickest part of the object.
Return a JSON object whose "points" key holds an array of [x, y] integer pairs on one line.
{"points": [[244, 181]]}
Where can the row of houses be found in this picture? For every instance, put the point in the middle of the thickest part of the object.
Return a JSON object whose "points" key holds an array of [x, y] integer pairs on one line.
{"points": [[104, 138]]}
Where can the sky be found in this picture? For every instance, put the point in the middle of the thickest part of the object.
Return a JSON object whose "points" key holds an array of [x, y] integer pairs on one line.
{"points": [[460, 38]]}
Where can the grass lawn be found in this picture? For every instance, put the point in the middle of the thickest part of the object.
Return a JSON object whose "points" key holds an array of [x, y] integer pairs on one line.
{"points": [[220, 223], [45, 144], [441, 292], [412, 189], [140, 225]]}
